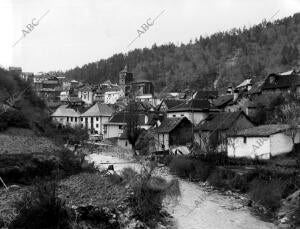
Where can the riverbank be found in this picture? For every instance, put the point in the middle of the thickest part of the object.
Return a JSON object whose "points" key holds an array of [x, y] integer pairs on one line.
{"points": [[197, 207]]}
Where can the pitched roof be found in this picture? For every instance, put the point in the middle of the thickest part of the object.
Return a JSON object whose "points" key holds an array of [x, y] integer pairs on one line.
{"points": [[223, 100], [220, 121], [206, 94], [122, 117], [99, 109], [192, 105], [281, 81], [263, 131], [244, 83], [170, 103], [170, 124], [72, 100], [64, 111]]}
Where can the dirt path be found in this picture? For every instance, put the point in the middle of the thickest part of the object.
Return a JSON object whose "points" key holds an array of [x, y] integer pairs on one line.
{"points": [[197, 208]]}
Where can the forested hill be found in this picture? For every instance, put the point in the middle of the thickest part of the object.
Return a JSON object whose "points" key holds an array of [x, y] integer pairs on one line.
{"points": [[229, 56]]}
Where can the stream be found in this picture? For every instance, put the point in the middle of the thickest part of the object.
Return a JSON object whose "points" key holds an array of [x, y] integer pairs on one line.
{"points": [[197, 208]]}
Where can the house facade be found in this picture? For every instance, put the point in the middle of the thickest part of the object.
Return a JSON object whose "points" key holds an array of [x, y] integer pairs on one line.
{"points": [[112, 95], [173, 132], [212, 133], [95, 118], [64, 116], [194, 110], [86, 95], [261, 142]]}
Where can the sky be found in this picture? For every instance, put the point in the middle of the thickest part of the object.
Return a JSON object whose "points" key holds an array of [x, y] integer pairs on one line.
{"points": [[72, 33]]}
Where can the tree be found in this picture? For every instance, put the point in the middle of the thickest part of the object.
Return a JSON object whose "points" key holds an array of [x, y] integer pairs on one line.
{"points": [[133, 129]]}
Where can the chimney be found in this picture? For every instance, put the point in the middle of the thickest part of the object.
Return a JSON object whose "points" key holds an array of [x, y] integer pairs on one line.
{"points": [[235, 94]]}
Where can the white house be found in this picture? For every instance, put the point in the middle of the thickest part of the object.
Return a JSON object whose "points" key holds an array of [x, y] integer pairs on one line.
{"points": [[112, 95], [195, 110], [262, 142], [66, 116], [86, 95], [95, 118], [116, 125]]}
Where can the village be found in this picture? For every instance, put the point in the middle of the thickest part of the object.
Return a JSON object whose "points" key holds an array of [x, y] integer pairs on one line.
{"points": [[209, 121]]}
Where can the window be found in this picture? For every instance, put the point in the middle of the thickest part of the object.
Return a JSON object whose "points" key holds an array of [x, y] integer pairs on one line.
{"points": [[97, 119], [81, 119], [174, 116], [245, 140], [71, 119], [126, 143], [75, 119], [182, 115], [120, 127], [67, 119], [97, 125]]}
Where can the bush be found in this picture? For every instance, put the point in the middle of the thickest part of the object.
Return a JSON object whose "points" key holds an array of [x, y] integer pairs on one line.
{"points": [[41, 208], [190, 168], [267, 193], [147, 195], [13, 118]]}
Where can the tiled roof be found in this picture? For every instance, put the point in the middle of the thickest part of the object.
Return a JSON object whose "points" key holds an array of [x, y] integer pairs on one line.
{"points": [[220, 121], [192, 105], [64, 111], [206, 94], [72, 100], [281, 81], [222, 100], [170, 103], [169, 124], [263, 131], [122, 117], [99, 109]]}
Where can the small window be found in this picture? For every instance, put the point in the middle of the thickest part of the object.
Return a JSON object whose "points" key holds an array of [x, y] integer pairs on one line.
{"points": [[120, 127], [182, 115], [67, 119], [174, 116], [245, 140], [97, 119], [126, 143], [75, 119], [81, 119], [71, 119], [97, 125]]}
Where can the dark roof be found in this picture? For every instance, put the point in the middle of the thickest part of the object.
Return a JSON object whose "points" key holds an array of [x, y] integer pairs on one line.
{"points": [[170, 103], [192, 105], [223, 100], [281, 81], [99, 109], [206, 94], [263, 131], [72, 100], [220, 121], [122, 117], [170, 124]]}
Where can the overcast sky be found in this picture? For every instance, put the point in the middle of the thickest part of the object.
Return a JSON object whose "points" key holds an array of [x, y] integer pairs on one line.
{"points": [[75, 32]]}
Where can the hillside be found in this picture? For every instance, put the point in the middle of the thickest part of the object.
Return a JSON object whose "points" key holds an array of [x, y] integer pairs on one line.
{"points": [[230, 56]]}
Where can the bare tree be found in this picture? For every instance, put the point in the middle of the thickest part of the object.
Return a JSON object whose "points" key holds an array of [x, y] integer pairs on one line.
{"points": [[133, 129]]}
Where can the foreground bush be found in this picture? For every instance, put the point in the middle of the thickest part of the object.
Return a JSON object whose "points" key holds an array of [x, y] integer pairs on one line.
{"points": [[41, 208], [148, 192], [190, 168], [267, 193]]}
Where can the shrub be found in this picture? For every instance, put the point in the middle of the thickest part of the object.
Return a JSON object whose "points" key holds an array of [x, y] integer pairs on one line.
{"points": [[148, 193], [13, 118], [239, 182], [41, 208], [267, 193], [190, 168]]}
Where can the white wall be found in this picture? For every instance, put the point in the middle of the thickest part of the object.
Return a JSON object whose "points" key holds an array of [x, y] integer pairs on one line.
{"points": [[71, 121], [163, 140], [198, 116], [254, 146], [280, 144], [86, 96], [111, 97], [98, 123], [113, 131]]}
